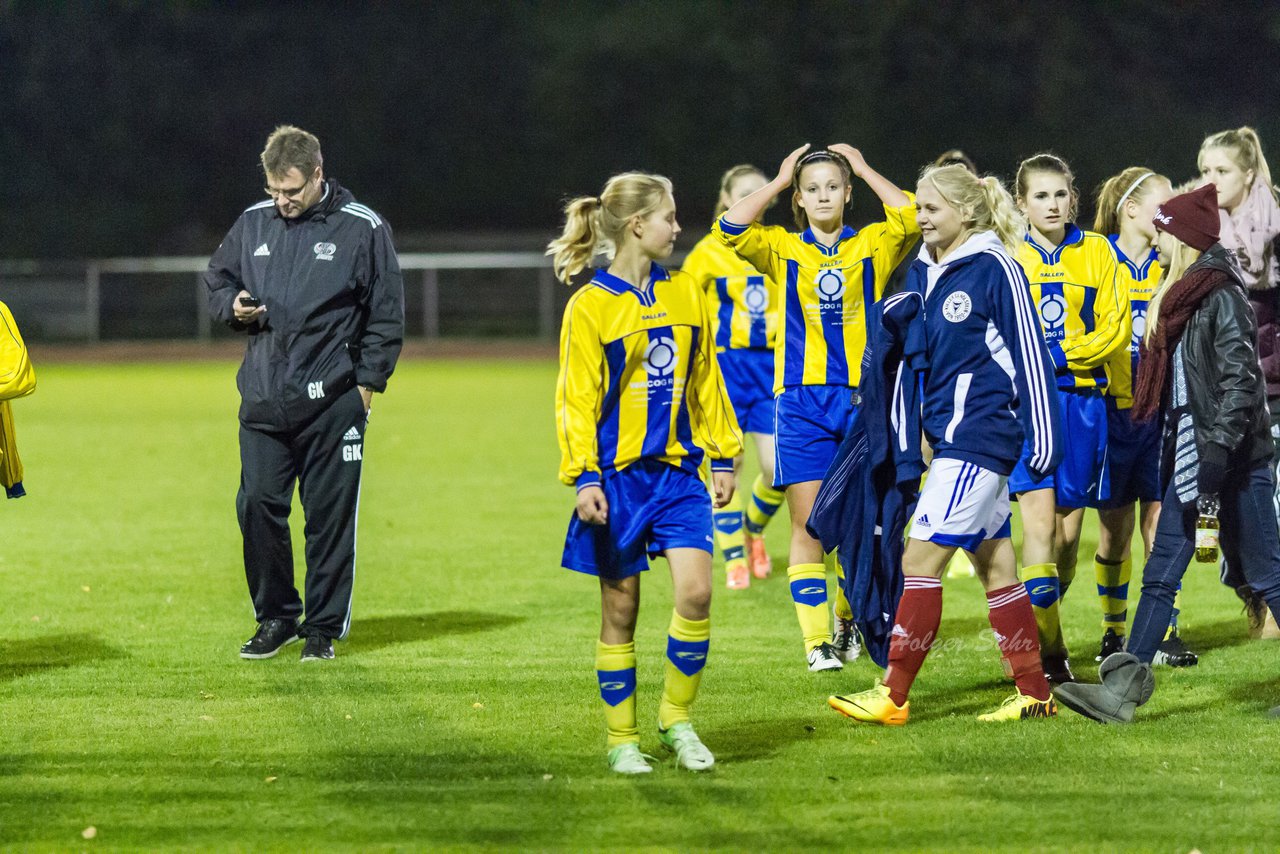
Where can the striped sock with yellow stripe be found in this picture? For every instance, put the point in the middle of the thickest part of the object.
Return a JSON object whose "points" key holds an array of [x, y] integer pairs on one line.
{"points": [[1041, 581], [764, 503], [1113, 591]]}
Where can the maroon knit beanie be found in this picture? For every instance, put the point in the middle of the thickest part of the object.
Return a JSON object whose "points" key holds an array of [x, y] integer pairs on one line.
{"points": [[1191, 217]]}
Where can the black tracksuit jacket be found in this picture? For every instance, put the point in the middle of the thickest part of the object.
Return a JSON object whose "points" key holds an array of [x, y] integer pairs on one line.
{"points": [[335, 306]]}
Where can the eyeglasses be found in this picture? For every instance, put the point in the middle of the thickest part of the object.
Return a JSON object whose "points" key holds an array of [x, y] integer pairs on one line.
{"points": [[286, 192]]}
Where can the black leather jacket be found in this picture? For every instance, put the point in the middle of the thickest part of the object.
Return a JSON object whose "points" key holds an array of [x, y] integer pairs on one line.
{"points": [[1225, 387]]}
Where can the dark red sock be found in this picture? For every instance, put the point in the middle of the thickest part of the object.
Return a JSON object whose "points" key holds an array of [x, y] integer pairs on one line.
{"points": [[1009, 611], [914, 628]]}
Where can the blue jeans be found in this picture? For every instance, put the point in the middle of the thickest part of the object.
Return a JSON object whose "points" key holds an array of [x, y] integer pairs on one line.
{"points": [[1250, 541]]}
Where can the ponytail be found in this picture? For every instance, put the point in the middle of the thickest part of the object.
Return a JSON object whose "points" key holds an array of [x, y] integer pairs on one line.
{"points": [[1005, 219], [596, 225]]}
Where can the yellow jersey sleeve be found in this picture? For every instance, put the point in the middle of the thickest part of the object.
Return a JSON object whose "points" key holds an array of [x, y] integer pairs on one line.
{"points": [[716, 425], [1112, 318], [756, 244], [579, 393], [17, 376]]}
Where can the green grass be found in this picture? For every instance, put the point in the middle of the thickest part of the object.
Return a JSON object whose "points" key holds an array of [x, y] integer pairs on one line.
{"points": [[462, 711]]}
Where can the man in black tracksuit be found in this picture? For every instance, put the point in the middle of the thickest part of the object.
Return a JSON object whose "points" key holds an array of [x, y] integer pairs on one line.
{"points": [[311, 277]]}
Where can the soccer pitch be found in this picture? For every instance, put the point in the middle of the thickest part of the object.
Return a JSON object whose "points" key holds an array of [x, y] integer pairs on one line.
{"points": [[462, 712]]}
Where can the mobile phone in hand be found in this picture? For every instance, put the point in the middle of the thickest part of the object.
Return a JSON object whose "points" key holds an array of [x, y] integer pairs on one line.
{"points": [[250, 302]]}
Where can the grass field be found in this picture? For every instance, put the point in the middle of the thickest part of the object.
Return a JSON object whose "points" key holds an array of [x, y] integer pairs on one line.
{"points": [[462, 711]]}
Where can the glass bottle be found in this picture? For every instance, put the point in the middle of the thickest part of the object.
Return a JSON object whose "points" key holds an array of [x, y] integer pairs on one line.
{"points": [[1207, 529]]}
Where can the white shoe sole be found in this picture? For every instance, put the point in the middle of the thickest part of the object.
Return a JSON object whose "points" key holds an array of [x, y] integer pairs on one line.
{"points": [[273, 653]]}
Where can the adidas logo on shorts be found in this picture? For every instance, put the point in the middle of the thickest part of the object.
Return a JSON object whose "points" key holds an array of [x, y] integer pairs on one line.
{"points": [[923, 520], [353, 435]]}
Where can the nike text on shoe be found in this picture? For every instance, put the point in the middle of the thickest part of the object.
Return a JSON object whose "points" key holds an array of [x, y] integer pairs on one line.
{"points": [[1019, 707], [824, 657], [627, 759], [873, 706], [270, 637], [317, 648], [691, 753]]}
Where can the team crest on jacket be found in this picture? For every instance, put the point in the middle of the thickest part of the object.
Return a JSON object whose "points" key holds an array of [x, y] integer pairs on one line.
{"points": [[324, 251], [957, 307]]}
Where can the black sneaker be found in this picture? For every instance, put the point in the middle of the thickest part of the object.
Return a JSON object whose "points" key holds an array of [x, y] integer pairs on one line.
{"points": [[1057, 669], [1174, 653], [271, 636], [317, 648], [1111, 642]]}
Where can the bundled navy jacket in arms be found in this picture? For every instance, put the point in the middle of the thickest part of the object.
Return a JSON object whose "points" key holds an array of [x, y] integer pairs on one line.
{"points": [[990, 381], [331, 284]]}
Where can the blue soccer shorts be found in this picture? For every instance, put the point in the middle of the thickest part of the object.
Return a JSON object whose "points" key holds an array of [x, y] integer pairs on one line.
{"points": [[810, 422], [748, 376], [1133, 459], [1082, 477], [653, 507]]}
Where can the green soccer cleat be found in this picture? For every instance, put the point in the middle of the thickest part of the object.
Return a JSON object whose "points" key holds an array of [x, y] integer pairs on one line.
{"points": [[690, 752], [627, 759]]}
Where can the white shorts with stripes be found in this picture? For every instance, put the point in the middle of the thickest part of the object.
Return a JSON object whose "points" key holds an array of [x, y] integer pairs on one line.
{"points": [[961, 505]]}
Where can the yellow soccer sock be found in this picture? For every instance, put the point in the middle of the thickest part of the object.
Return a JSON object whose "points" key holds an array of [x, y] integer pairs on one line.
{"points": [[1041, 581], [1177, 609], [1113, 591], [616, 671], [687, 644], [764, 503], [809, 591], [729, 537]]}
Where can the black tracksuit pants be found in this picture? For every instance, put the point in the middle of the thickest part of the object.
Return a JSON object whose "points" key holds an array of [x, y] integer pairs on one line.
{"points": [[325, 458]]}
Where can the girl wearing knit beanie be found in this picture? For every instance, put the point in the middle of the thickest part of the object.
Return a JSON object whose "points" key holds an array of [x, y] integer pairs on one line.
{"points": [[1200, 365]]}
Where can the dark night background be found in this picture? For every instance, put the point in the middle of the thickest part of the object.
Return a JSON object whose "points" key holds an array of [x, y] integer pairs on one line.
{"points": [[134, 128]]}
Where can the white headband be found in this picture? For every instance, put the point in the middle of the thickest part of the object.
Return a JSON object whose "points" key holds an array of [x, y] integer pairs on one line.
{"points": [[1132, 187]]}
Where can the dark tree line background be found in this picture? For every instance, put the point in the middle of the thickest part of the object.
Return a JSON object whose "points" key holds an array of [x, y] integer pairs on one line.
{"points": [[134, 127]]}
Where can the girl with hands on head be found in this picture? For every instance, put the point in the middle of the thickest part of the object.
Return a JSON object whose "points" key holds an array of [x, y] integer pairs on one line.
{"points": [[829, 275]]}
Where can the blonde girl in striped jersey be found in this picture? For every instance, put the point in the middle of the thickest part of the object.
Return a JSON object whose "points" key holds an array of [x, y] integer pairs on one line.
{"points": [[639, 405]]}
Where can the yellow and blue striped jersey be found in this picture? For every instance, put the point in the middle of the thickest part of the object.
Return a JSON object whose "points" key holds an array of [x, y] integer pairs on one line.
{"points": [[639, 379], [1083, 305], [826, 290], [744, 301], [1143, 278]]}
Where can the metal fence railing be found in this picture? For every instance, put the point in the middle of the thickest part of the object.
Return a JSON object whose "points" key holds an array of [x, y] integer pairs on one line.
{"points": [[446, 293]]}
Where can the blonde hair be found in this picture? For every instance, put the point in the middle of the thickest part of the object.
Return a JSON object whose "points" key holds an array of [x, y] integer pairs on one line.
{"points": [[1054, 165], [983, 203], [822, 155], [1245, 149], [726, 183], [290, 147], [1132, 184], [1183, 257], [595, 225]]}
